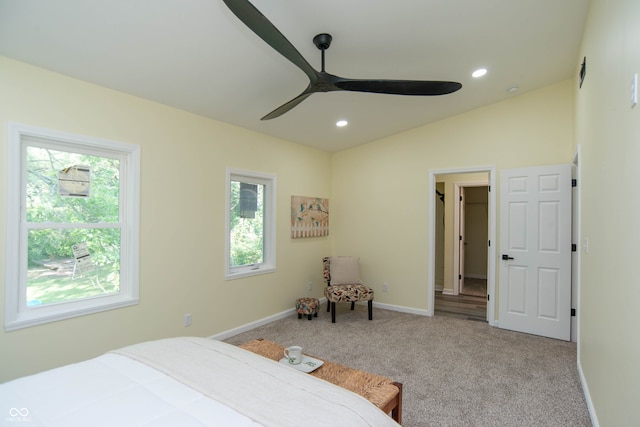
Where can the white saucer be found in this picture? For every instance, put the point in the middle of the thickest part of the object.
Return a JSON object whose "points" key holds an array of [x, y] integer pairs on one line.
{"points": [[308, 364]]}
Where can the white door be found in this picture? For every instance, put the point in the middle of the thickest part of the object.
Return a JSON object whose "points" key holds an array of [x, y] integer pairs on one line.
{"points": [[535, 247]]}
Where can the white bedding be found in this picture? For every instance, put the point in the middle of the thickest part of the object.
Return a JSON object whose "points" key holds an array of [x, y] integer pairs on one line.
{"points": [[182, 382]]}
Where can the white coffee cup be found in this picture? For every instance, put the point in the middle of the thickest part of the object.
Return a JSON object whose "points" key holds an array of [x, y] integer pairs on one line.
{"points": [[294, 354]]}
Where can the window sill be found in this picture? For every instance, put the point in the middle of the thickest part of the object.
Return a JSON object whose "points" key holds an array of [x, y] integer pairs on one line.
{"points": [[34, 317], [249, 271]]}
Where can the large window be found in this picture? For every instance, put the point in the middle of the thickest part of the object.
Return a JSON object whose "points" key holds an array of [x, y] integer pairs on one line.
{"points": [[250, 246], [72, 226]]}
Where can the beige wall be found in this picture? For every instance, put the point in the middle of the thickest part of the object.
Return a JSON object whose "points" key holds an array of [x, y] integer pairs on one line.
{"points": [[380, 189], [182, 226], [608, 131]]}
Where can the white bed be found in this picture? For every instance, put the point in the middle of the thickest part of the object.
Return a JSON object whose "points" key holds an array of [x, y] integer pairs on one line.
{"points": [[182, 382]]}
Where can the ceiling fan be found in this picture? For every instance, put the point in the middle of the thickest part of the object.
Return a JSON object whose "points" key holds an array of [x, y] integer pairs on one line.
{"points": [[321, 81]]}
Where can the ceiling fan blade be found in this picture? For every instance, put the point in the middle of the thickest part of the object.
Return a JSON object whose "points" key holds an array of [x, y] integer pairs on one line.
{"points": [[398, 87], [260, 25], [288, 106], [320, 81]]}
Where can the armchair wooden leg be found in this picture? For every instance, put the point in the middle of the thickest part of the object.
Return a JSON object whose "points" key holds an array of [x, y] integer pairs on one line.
{"points": [[328, 306], [353, 305], [333, 312], [370, 304]]}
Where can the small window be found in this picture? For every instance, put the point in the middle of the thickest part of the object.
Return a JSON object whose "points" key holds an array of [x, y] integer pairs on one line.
{"points": [[72, 226], [250, 245]]}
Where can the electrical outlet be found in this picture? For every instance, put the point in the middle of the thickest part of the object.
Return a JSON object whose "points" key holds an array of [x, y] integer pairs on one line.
{"points": [[187, 319], [385, 288], [309, 286]]}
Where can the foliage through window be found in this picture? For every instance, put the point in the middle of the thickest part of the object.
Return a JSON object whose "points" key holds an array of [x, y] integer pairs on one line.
{"points": [[76, 235], [250, 223]]}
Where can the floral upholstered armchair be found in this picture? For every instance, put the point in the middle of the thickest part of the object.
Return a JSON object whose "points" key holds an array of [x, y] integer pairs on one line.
{"points": [[342, 274]]}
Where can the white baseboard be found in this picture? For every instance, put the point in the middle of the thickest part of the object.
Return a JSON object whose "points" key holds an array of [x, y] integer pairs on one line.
{"points": [[260, 322], [249, 326], [392, 307], [587, 397], [447, 292], [401, 309]]}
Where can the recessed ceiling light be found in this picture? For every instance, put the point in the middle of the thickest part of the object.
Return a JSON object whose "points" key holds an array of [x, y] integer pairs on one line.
{"points": [[479, 72], [342, 123]]}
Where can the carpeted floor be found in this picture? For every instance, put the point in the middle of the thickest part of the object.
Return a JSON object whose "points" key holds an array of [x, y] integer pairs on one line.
{"points": [[474, 287], [454, 372]]}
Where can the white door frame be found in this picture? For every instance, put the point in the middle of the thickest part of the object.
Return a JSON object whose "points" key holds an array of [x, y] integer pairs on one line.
{"points": [[458, 253], [491, 253], [576, 239]]}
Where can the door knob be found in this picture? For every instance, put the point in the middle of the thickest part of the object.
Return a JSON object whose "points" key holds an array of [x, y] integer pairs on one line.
{"points": [[506, 257]]}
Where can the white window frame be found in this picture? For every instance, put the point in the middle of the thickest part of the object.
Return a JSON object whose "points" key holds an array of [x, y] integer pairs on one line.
{"points": [[269, 237], [17, 314]]}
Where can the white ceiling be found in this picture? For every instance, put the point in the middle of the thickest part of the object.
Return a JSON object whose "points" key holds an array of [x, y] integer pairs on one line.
{"points": [[197, 56]]}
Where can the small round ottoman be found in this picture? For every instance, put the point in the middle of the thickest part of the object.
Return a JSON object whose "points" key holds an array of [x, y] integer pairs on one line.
{"points": [[307, 306]]}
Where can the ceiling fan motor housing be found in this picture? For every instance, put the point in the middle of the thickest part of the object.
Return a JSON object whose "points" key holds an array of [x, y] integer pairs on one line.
{"points": [[322, 41]]}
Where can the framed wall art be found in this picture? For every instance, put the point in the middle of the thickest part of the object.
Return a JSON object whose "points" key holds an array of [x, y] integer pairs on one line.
{"points": [[309, 217]]}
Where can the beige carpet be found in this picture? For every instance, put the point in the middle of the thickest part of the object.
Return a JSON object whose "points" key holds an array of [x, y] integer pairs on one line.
{"points": [[455, 372], [474, 287]]}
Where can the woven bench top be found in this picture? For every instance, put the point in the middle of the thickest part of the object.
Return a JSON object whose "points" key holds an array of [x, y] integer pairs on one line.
{"points": [[381, 391]]}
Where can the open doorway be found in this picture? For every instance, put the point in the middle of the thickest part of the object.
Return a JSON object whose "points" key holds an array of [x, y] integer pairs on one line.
{"points": [[473, 220], [462, 277]]}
